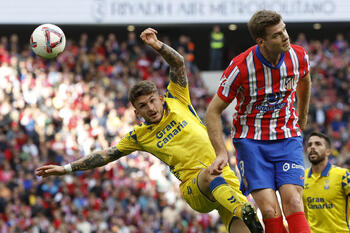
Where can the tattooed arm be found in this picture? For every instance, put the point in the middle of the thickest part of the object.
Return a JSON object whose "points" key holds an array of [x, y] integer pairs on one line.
{"points": [[170, 55], [93, 160], [96, 159]]}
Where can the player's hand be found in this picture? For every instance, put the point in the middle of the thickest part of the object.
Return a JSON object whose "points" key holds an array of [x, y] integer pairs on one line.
{"points": [[50, 170], [218, 165], [302, 121], [149, 37]]}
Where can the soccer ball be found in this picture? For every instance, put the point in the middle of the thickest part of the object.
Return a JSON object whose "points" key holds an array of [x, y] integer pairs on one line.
{"points": [[47, 41]]}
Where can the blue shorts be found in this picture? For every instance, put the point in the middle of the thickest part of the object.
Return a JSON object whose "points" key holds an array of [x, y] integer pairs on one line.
{"points": [[269, 164]]}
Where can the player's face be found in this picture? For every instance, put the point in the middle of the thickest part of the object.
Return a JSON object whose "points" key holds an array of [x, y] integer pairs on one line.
{"points": [[317, 150], [276, 39], [150, 107]]}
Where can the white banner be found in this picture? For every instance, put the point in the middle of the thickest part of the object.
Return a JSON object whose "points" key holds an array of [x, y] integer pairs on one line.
{"points": [[166, 11]]}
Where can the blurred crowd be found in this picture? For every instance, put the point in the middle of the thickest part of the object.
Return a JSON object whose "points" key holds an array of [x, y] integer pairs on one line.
{"points": [[55, 111], [330, 94]]}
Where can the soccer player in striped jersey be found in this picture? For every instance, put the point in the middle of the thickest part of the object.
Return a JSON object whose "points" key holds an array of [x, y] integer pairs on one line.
{"points": [[265, 80], [327, 189], [173, 132]]}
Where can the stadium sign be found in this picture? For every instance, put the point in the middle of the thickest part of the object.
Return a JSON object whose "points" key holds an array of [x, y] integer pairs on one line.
{"points": [[167, 11]]}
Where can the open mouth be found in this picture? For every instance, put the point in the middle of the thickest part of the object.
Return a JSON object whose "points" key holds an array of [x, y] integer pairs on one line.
{"points": [[154, 115], [313, 155]]}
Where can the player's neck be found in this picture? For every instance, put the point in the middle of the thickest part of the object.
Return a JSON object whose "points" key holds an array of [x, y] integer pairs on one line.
{"points": [[318, 168], [272, 58]]}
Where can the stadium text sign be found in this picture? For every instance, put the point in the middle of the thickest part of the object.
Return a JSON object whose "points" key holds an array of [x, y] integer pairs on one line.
{"points": [[167, 11]]}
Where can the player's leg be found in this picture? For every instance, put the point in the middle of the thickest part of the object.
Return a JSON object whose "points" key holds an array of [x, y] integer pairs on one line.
{"points": [[217, 189], [200, 201], [237, 225], [267, 202], [225, 190], [232, 223], [258, 178], [293, 208], [290, 180]]}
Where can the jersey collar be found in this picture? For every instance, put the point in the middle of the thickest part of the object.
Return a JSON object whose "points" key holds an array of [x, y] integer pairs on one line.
{"points": [[265, 62], [325, 171]]}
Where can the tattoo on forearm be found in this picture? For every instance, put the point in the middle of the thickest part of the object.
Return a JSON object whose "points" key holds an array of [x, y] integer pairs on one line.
{"points": [[161, 48], [178, 76], [92, 160], [113, 154], [176, 63], [97, 159]]}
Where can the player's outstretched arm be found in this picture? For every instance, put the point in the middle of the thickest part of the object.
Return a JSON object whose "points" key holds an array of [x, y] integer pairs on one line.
{"points": [[171, 56], [93, 160]]}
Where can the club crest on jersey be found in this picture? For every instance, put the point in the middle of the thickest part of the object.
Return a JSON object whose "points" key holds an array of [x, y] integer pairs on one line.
{"points": [[326, 184], [290, 82], [271, 102]]}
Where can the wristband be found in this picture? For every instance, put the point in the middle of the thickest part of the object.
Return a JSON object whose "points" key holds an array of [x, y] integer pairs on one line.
{"points": [[68, 168]]}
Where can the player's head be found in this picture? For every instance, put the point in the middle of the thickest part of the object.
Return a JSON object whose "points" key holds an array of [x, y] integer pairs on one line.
{"points": [[318, 147], [148, 103], [269, 31]]}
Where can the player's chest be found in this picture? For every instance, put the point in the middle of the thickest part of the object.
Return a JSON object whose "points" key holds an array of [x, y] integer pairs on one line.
{"points": [[322, 189], [267, 81], [167, 135]]}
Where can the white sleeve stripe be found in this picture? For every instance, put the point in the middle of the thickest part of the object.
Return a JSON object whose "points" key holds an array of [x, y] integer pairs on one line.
{"points": [[231, 78]]}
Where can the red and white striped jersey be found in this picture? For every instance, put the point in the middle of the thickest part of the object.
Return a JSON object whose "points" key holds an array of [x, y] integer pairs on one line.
{"points": [[265, 94]]}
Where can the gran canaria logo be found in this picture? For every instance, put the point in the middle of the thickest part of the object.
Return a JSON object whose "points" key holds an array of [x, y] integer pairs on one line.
{"points": [[169, 132]]}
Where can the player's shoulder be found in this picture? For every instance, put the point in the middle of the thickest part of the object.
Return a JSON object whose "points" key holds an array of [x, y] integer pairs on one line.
{"points": [[140, 128], [339, 170], [240, 59], [298, 49]]}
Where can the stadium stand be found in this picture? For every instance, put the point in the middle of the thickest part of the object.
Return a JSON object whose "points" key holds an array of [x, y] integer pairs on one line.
{"points": [[56, 111]]}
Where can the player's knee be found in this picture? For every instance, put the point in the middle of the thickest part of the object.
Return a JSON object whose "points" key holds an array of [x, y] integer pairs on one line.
{"points": [[269, 212], [293, 204], [205, 178], [208, 176]]}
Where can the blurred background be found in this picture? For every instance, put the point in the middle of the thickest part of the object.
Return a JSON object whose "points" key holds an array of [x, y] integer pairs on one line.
{"points": [[55, 111]]}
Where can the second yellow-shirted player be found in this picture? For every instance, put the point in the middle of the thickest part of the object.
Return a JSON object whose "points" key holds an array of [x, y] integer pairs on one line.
{"points": [[173, 132], [326, 190]]}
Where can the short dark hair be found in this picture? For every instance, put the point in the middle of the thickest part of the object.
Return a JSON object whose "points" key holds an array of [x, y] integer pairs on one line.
{"points": [[260, 21], [141, 88], [321, 135]]}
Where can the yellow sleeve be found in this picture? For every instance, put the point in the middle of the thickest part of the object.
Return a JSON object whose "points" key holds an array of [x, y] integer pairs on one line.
{"points": [[128, 143], [346, 182], [174, 90]]}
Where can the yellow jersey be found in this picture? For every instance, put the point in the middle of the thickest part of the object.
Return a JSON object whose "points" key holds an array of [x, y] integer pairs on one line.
{"points": [[326, 201], [180, 139]]}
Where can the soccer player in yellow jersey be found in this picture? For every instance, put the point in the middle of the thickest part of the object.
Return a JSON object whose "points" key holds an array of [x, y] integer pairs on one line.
{"points": [[326, 190], [173, 132]]}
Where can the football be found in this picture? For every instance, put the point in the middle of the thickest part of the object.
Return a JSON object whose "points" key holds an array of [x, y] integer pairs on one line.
{"points": [[47, 41]]}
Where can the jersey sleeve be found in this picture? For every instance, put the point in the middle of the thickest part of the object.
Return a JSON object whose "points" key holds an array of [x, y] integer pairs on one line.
{"points": [[305, 63], [346, 182], [229, 83], [128, 143], [174, 90]]}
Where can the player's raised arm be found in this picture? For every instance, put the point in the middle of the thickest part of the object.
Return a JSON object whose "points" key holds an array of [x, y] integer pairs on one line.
{"points": [[93, 160], [172, 57]]}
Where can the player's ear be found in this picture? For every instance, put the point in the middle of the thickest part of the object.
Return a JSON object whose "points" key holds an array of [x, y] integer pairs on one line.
{"points": [[328, 151], [138, 115], [260, 41], [161, 97]]}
